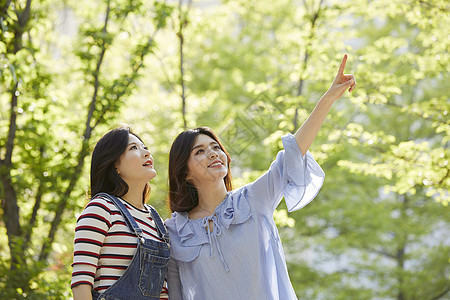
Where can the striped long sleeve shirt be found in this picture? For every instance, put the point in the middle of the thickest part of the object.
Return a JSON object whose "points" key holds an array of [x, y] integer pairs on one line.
{"points": [[104, 245]]}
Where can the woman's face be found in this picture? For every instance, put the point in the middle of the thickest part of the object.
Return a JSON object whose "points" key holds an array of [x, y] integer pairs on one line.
{"points": [[135, 165], [207, 162]]}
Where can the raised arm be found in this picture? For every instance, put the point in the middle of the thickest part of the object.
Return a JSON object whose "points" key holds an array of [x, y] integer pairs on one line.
{"points": [[306, 134]]}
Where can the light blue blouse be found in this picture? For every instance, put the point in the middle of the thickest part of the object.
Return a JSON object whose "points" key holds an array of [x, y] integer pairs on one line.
{"points": [[242, 256]]}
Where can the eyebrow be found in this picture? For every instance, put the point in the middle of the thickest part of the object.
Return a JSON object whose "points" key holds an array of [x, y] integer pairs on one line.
{"points": [[202, 145], [134, 143]]}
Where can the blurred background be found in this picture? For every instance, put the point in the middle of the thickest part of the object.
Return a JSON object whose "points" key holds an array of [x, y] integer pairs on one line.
{"points": [[252, 71]]}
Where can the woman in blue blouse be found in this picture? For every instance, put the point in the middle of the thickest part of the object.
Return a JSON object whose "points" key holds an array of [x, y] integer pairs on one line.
{"points": [[224, 242]]}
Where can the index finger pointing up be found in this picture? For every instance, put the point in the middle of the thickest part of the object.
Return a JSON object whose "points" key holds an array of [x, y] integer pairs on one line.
{"points": [[342, 66]]}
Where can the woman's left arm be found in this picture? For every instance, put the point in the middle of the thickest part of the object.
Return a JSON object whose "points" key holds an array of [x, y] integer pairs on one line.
{"points": [[306, 134]]}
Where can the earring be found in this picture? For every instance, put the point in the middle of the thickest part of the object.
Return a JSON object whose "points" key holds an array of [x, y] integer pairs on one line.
{"points": [[118, 172]]}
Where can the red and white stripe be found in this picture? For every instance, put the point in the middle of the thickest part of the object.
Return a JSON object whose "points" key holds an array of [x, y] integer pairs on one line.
{"points": [[104, 245]]}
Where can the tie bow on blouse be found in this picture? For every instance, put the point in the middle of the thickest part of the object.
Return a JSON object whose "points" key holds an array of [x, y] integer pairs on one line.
{"points": [[212, 235]]}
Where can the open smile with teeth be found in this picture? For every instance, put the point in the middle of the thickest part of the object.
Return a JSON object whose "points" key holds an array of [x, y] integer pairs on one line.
{"points": [[216, 164]]}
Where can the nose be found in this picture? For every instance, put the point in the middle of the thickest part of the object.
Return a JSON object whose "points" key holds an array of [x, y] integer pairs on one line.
{"points": [[146, 153], [213, 153]]}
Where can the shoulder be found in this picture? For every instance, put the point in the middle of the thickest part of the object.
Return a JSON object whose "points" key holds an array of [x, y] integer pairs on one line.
{"points": [[235, 209], [186, 238], [180, 218], [100, 201], [152, 211], [98, 212], [100, 206]]}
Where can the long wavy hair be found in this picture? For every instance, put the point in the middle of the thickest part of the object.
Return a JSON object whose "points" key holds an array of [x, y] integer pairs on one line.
{"points": [[183, 195], [107, 151]]}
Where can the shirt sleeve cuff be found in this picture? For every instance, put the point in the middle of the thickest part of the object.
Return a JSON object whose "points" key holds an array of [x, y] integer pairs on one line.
{"points": [[305, 176]]}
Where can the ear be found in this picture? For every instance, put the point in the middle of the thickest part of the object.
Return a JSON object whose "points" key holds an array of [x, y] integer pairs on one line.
{"points": [[189, 178], [115, 166]]}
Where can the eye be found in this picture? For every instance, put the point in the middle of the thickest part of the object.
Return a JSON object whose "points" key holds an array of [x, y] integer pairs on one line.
{"points": [[145, 147], [200, 151], [133, 147], [217, 147]]}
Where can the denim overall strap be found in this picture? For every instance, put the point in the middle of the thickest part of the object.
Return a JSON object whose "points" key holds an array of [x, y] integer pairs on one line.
{"points": [[144, 277], [159, 224], [134, 227]]}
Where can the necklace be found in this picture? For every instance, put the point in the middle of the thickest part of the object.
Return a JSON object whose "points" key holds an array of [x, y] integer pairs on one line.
{"points": [[212, 213]]}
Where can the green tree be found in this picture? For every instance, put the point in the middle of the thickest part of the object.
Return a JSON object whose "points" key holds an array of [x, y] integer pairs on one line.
{"points": [[255, 70], [251, 70], [47, 132], [382, 237]]}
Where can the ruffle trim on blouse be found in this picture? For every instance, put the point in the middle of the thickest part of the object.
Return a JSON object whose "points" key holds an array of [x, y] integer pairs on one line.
{"points": [[303, 182], [187, 236]]}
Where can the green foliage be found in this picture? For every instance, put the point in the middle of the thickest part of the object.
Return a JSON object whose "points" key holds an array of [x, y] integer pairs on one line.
{"points": [[253, 70], [256, 72], [57, 98]]}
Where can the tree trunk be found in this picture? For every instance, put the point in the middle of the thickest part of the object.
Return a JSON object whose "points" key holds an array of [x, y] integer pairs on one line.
{"points": [[11, 217], [84, 151], [301, 80], [183, 21], [400, 256]]}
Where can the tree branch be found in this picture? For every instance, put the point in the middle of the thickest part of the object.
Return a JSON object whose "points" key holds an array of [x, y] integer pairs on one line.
{"points": [[88, 129], [3, 13], [24, 16], [182, 24], [33, 218], [46, 246], [305, 61], [442, 294], [381, 252], [428, 5]]}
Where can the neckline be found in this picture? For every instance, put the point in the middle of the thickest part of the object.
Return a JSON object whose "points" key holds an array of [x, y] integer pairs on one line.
{"points": [[209, 216], [145, 210]]}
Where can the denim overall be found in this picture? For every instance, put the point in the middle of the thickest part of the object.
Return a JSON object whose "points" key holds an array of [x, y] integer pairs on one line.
{"points": [[144, 277]]}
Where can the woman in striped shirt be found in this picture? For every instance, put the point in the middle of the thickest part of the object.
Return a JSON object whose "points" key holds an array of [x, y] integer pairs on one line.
{"points": [[110, 259]]}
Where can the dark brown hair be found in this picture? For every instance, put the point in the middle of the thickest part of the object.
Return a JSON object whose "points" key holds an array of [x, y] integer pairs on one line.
{"points": [[183, 195], [107, 151]]}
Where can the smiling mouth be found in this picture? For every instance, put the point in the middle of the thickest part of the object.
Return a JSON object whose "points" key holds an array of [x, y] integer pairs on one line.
{"points": [[148, 164], [216, 164]]}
